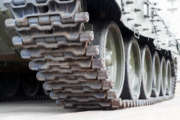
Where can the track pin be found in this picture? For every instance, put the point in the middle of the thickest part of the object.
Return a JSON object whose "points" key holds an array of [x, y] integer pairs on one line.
{"points": [[10, 23], [17, 41], [25, 54], [87, 36]]}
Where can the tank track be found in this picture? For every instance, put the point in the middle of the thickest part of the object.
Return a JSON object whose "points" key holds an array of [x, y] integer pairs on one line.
{"points": [[54, 38]]}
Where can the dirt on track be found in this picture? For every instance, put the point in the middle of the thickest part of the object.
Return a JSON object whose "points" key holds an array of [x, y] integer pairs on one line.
{"points": [[168, 110]]}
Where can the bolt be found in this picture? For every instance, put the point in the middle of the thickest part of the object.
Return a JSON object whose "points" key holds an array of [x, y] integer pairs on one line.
{"points": [[125, 13], [137, 10], [145, 29], [130, 19], [129, 2], [137, 25]]}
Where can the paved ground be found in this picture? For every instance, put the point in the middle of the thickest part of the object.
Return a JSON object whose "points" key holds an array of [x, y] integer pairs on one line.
{"points": [[169, 110]]}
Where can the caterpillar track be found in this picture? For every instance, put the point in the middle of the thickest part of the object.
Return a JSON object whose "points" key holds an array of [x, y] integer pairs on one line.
{"points": [[54, 36]]}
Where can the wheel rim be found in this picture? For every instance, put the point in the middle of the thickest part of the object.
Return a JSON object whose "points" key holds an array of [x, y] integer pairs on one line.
{"points": [[164, 77], [156, 75], [169, 78], [134, 69], [147, 72], [115, 58]]}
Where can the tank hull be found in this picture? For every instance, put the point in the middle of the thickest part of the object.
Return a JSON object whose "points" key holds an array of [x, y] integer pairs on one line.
{"points": [[9, 55], [7, 51]]}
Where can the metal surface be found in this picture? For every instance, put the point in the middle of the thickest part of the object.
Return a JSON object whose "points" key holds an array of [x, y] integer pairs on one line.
{"points": [[8, 53], [145, 18], [6, 46], [60, 46], [146, 21]]}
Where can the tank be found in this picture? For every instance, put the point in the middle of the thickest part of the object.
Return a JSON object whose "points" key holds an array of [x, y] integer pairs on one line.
{"points": [[91, 54]]}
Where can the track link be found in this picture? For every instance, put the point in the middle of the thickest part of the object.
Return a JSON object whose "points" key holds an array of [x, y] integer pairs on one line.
{"points": [[54, 39]]}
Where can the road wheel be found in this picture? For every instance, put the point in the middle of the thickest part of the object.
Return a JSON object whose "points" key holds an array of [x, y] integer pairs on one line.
{"points": [[164, 77], [156, 75], [146, 73], [108, 37], [169, 79], [133, 71]]}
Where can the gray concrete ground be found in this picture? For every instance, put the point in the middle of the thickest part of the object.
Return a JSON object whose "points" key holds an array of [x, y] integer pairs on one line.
{"points": [[169, 110]]}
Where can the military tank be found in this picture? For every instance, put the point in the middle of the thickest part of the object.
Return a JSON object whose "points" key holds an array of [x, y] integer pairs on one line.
{"points": [[93, 54]]}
